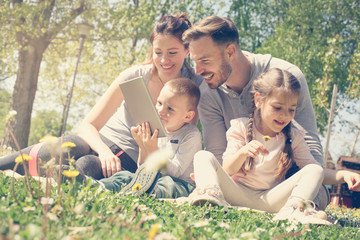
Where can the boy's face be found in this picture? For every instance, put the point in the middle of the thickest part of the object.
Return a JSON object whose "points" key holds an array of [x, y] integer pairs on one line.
{"points": [[173, 109]]}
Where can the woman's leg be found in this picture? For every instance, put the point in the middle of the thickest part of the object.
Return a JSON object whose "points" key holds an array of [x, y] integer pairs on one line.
{"points": [[90, 165], [44, 152]]}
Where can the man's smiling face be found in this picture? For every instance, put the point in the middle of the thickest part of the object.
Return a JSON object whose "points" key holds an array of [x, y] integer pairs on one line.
{"points": [[210, 61]]}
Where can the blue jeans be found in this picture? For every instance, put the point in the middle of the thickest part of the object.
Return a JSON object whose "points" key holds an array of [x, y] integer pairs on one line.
{"points": [[166, 186]]}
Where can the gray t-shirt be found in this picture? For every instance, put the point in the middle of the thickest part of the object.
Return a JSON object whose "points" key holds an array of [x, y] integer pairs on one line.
{"points": [[218, 106], [117, 129], [182, 146]]}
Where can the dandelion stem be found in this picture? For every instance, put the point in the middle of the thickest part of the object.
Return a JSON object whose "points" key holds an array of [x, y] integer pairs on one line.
{"points": [[13, 183], [60, 171], [27, 180]]}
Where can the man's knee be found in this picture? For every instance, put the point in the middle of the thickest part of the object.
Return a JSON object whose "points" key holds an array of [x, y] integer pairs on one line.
{"points": [[322, 200]]}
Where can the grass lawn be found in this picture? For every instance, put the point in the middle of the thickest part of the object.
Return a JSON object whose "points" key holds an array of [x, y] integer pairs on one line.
{"points": [[84, 212]]}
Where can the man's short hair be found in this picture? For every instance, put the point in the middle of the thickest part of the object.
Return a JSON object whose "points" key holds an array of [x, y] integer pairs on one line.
{"points": [[222, 31]]}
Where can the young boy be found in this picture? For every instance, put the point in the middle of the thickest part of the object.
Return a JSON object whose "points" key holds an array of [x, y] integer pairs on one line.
{"points": [[176, 105]]}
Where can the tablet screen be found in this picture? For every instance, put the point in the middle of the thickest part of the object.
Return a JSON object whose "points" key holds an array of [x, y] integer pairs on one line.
{"points": [[140, 104]]}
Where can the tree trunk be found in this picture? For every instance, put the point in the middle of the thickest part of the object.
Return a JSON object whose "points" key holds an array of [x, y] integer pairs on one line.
{"points": [[30, 57], [22, 100]]}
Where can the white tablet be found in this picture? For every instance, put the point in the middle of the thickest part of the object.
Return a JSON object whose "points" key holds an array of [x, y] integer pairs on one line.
{"points": [[140, 104]]}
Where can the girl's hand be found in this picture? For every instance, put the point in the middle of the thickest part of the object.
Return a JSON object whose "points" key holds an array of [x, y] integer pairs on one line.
{"points": [[110, 164], [254, 148]]}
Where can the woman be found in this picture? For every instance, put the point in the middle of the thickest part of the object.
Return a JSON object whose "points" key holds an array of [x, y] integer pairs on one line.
{"points": [[104, 144]]}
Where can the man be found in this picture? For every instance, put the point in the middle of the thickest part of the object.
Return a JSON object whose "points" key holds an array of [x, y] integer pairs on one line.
{"points": [[229, 73]]}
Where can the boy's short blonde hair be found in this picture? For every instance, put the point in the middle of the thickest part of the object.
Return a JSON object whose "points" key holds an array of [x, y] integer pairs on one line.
{"points": [[185, 87]]}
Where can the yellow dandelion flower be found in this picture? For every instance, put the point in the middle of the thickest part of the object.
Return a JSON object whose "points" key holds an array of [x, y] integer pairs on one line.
{"points": [[68, 145], [266, 138], [153, 231], [70, 173], [48, 139], [19, 159], [136, 187]]}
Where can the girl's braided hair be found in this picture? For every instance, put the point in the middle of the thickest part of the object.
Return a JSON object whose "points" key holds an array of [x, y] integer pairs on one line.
{"points": [[265, 84]]}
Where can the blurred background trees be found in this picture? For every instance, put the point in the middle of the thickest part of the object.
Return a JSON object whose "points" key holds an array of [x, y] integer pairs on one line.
{"points": [[319, 36]]}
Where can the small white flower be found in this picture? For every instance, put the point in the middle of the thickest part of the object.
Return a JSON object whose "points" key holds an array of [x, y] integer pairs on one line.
{"points": [[260, 230], [143, 207], [54, 184], [247, 235], [164, 236], [224, 225], [10, 116], [150, 216], [201, 223], [122, 216], [79, 208], [46, 201], [28, 209], [52, 216], [291, 227]]}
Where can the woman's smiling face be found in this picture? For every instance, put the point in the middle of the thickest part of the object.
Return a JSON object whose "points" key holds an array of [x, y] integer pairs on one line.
{"points": [[168, 56]]}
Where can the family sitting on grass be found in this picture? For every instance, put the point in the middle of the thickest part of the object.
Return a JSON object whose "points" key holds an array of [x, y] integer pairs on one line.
{"points": [[258, 125]]}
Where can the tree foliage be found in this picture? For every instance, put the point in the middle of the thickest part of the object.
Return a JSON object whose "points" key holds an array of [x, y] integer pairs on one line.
{"points": [[119, 39], [31, 26], [320, 37]]}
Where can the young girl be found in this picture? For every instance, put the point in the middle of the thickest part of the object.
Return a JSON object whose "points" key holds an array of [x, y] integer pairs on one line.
{"points": [[260, 149]]}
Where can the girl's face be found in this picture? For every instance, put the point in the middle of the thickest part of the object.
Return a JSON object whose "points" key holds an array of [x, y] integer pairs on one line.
{"points": [[168, 56], [276, 111], [173, 109]]}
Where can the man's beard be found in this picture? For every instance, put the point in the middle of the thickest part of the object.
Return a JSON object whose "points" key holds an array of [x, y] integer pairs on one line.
{"points": [[224, 73]]}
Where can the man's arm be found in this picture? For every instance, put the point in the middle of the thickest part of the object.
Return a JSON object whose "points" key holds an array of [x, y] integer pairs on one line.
{"points": [[305, 117], [213, 127], [342, 176]]}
